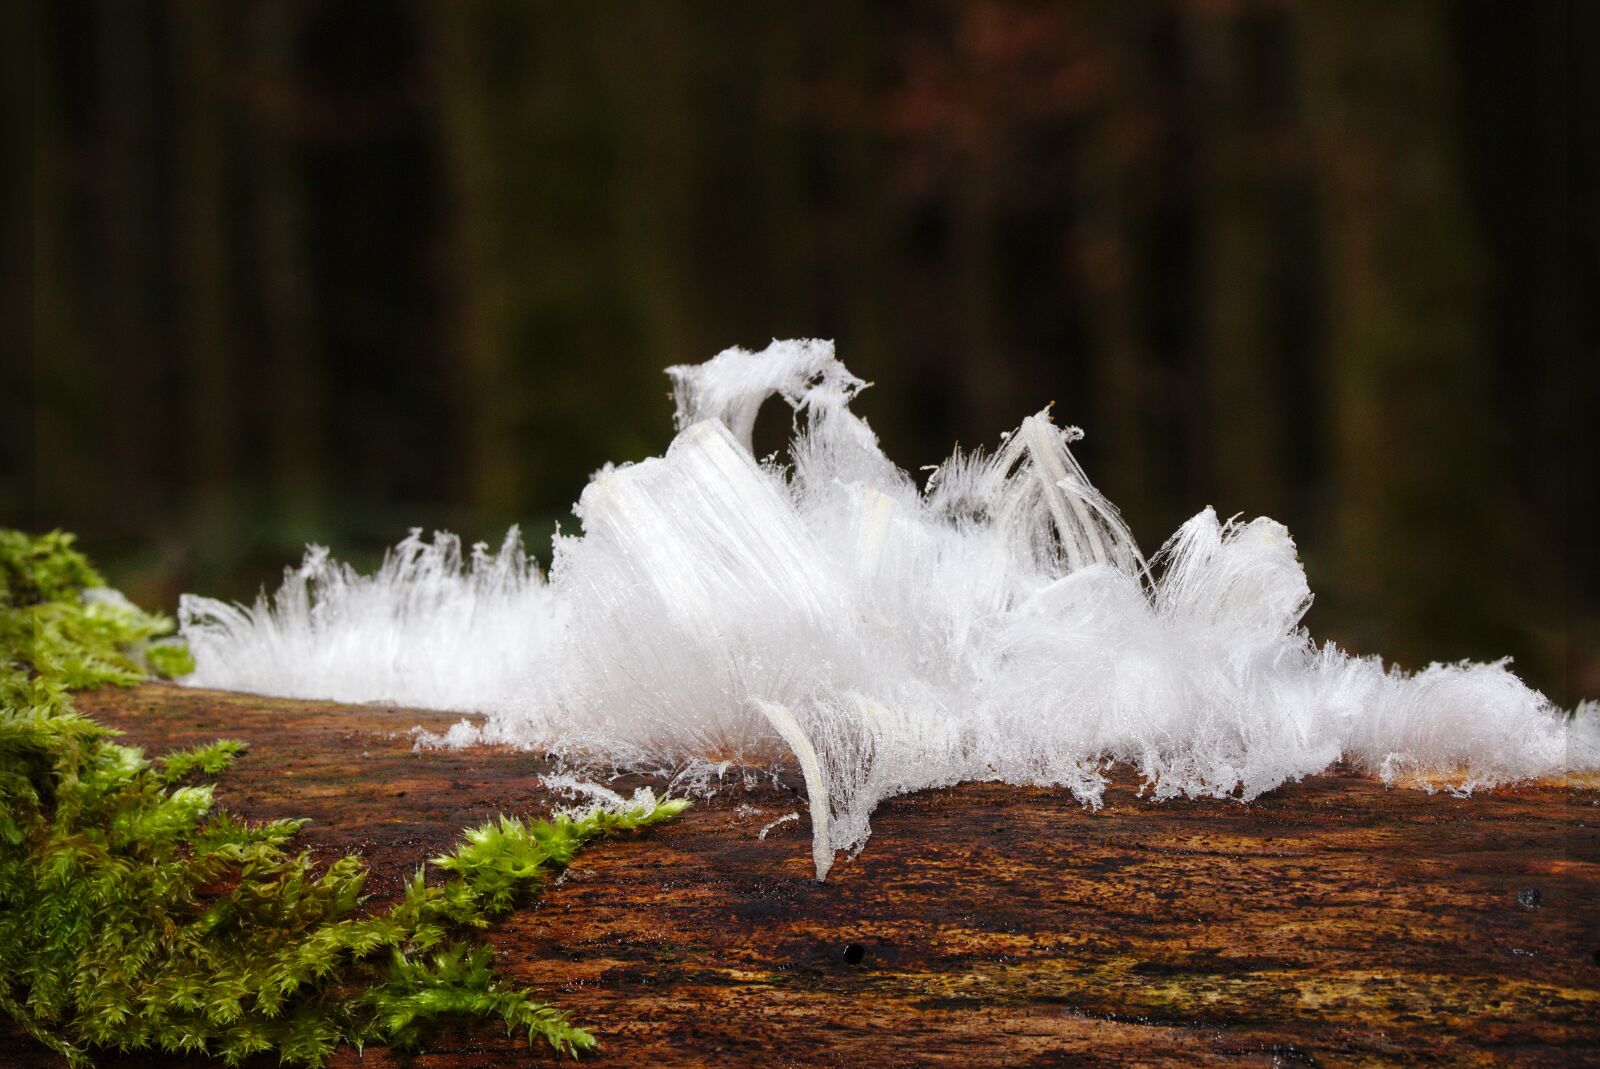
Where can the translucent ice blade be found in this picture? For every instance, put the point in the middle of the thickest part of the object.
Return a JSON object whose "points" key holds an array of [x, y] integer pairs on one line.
{"points": [[784, 723]]}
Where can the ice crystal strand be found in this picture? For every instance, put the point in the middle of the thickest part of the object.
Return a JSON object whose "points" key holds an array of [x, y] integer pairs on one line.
{"points": [[784, 723], [1038, 438]]}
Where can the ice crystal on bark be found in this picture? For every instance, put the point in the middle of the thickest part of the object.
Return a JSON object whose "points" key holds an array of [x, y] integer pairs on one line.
{"points": [[1000, 623]]}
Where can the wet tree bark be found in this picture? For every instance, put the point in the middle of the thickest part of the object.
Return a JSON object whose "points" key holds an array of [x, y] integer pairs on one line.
{"points": [[1333, 922]]}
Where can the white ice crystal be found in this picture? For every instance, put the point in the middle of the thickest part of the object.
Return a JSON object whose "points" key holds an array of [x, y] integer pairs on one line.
{"points": [[1000, 624]]}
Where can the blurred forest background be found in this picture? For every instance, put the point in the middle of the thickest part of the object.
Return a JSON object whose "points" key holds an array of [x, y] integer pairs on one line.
{"points": [[290, 271]]}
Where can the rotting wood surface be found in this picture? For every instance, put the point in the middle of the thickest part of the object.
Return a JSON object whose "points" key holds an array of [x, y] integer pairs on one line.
{"points": [[1332, 922]]}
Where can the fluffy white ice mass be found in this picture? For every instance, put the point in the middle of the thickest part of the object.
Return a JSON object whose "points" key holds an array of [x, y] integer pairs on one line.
{"points": [[998, 624]]}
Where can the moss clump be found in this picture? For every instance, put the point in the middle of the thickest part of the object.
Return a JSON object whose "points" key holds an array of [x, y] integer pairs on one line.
{"points": [[135, 915], [59, 620]]}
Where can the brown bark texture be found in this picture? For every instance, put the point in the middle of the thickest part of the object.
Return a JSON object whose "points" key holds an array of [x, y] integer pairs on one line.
{"points": [[1332, 922]]}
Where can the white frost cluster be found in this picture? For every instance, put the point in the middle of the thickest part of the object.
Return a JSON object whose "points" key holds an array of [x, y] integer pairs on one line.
{"points": [[999, 624]]}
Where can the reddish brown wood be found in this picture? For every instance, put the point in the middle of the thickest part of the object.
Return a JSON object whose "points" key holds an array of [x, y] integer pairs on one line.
{"points": [[1333, 922]]}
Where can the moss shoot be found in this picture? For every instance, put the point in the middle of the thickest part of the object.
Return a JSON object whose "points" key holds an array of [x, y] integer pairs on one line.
{"points": [[135, 914]]}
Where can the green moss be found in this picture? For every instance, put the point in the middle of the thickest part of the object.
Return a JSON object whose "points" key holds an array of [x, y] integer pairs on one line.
{"points": [[58, 618], [136, 915], [169, 658], [35, 568]]}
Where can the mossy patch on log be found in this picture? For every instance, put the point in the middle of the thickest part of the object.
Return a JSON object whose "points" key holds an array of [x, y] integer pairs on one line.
{"points": [[135, 915]]}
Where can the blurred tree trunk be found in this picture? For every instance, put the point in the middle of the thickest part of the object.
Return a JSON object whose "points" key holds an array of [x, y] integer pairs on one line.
{"points": [[655, 173], [26, 257], [480, 283], [1111, 190], [1577, 319], [129, 401], [1419, 500], [1529, 133], [1240, 263], [287, 300], [866, 217], [790, 247], [202, 292], [974, 278]]}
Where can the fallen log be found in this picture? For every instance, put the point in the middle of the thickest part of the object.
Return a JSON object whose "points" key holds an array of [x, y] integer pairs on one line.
{"points": [[1332, 922]]}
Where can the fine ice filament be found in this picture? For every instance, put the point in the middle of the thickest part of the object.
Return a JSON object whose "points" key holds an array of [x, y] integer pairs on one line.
{"points": [[999, 624], [770, 825]]}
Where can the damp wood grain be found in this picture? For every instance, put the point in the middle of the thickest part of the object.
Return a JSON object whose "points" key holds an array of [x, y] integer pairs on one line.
{"points": [[1332, 922]]}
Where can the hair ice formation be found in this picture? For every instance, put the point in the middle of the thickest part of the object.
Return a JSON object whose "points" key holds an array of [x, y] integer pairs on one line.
{"points": [[1000, 624]]}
